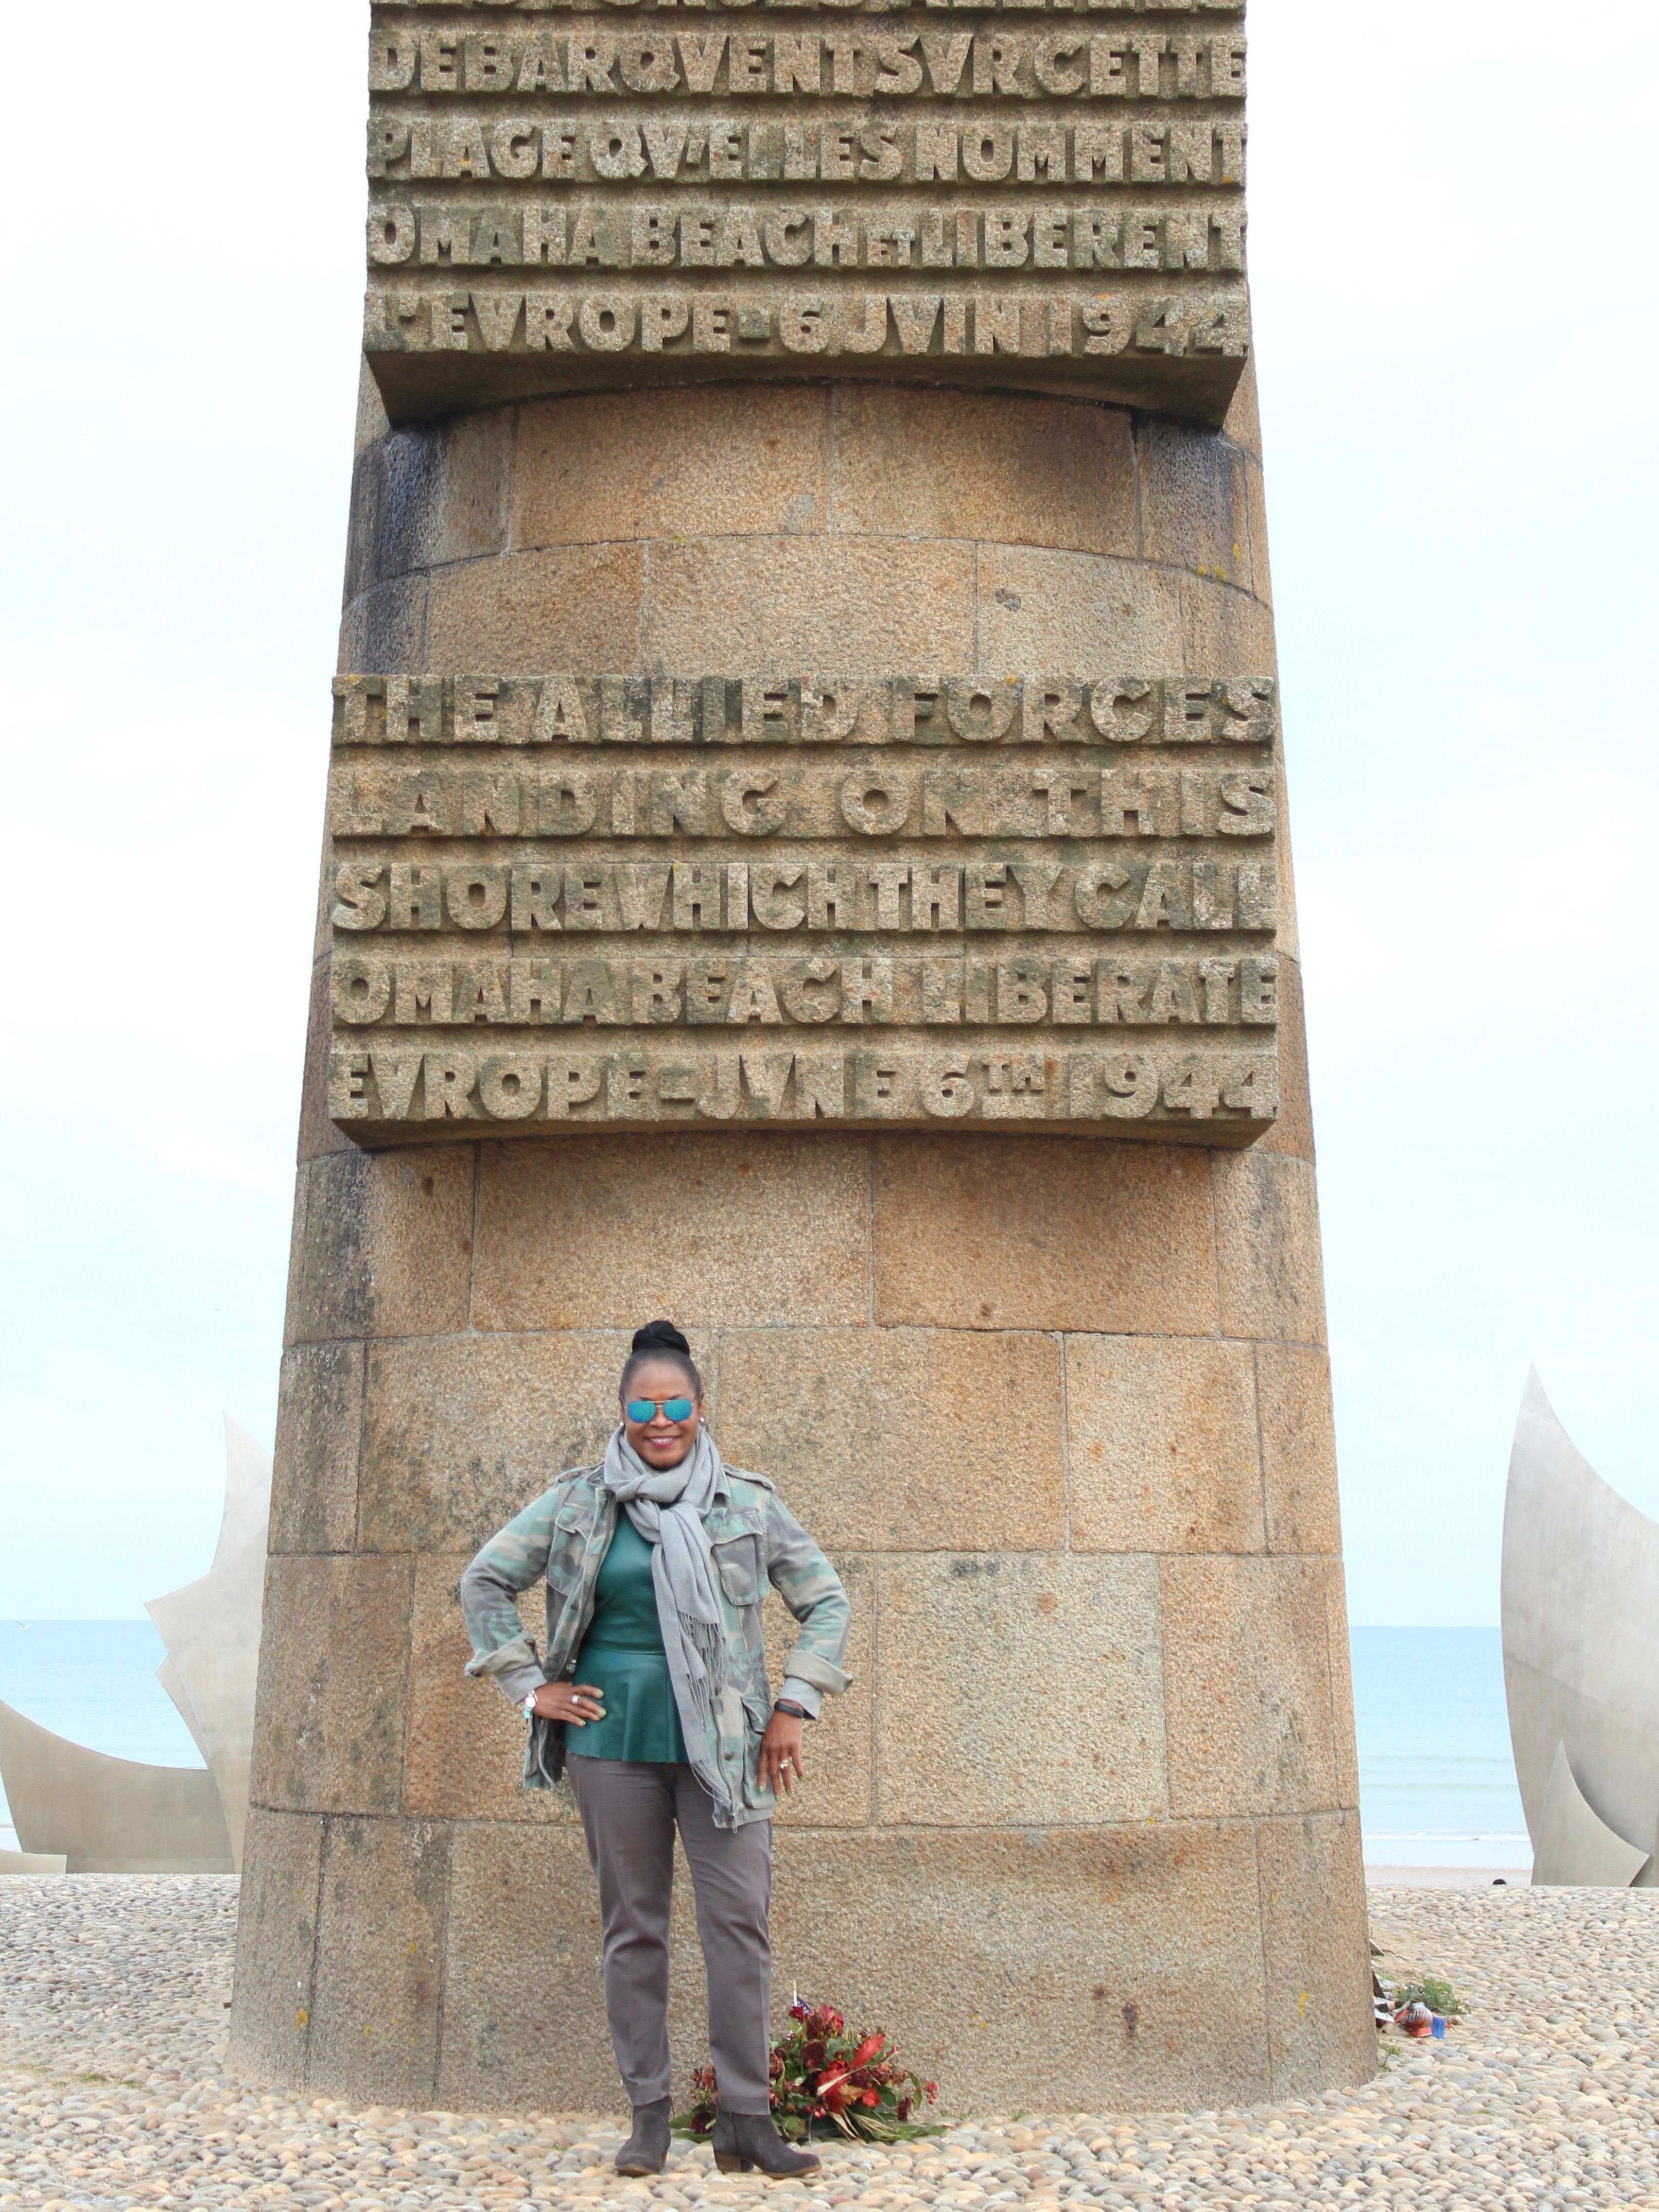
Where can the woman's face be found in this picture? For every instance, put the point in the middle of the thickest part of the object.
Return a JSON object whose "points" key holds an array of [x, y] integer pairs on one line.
{"points": [[660, 1442]]}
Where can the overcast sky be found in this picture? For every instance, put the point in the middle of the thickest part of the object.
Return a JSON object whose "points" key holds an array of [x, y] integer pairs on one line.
{"points": [[1453, 267]]}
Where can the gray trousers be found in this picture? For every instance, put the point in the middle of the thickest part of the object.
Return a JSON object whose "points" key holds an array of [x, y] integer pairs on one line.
{"points": [[629, 1810]]}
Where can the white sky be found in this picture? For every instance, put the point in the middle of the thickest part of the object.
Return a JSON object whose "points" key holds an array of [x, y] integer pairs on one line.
{"points": [[1454, 272]]}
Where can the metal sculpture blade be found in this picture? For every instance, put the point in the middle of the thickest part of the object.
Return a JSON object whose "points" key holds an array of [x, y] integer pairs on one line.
{"points": [[108, 1815], [211, 1631], [1581, 1650], [82, 1810]]}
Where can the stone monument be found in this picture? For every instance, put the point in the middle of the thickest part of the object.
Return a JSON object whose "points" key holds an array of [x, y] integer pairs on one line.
{"points": [[805, 852]]}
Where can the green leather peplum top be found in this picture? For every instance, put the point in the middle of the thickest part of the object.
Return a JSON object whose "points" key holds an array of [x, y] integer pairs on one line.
{"points": [[621, 1656]]}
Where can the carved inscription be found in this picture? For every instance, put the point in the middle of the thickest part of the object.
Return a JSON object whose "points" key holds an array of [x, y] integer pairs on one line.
{"points": [[578, 897], [1052, 191]]}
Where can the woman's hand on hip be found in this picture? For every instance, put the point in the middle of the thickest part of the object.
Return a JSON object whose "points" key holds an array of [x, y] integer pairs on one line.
{"points": [[780, 1753], [575, 1702]]}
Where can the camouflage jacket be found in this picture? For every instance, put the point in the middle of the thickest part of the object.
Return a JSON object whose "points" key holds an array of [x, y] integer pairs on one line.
{"points": [[564, 1537]]}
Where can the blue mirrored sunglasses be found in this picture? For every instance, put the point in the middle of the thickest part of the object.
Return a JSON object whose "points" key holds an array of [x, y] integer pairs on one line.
{"points": [[642, 1409]]}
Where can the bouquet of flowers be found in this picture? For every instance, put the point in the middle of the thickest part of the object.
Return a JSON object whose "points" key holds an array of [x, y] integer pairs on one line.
{"points": [[822, 2075]]}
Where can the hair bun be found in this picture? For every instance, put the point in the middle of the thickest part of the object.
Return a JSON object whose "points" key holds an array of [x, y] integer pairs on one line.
{"points": [[660, 1336]]}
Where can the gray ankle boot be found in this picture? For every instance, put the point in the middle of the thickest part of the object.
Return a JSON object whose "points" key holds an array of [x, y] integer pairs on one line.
{"points": [[746, 2139], [648, 2147]]}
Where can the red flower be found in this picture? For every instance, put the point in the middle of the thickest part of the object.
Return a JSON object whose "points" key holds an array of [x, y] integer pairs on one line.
{"points": [[831, 2090], [819, 2073]]}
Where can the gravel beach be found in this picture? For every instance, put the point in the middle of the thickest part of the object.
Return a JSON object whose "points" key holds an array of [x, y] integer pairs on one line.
{"points": [[113, 2090]]}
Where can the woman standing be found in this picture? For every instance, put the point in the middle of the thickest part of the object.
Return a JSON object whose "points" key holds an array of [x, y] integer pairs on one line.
{"points": [[656, 1562]]}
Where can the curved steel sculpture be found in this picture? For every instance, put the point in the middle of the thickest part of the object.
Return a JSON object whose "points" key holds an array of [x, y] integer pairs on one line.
{"points": [[33, 1862], [105, 1815], [97, 1814], [211, 1631], [1580, 1659]]}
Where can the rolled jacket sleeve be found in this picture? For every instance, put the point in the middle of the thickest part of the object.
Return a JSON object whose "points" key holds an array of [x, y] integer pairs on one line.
{"points": [[814, 1593], [510, 1562]]}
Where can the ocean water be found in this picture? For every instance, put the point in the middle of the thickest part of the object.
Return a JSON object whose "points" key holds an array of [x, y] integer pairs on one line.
{"points": [[1437, 1784], [1437, 1777]]}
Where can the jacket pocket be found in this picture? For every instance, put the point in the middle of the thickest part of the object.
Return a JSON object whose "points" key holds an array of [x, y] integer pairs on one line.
{"points": [[567, 1553], [737, 1562]]}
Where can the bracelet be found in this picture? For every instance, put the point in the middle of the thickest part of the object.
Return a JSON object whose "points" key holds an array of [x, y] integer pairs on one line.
{"points": [[788, 1706]]}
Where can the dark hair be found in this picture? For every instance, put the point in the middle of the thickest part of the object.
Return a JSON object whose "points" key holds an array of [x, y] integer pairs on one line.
{"points": [[661, 1339]]}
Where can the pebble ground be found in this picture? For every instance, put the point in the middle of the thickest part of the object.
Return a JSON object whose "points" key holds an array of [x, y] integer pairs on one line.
{"points": [[113, 2089]]}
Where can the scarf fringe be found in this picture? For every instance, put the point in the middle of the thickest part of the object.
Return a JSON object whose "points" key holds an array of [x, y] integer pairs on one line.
{"points": [[707, 1639]]}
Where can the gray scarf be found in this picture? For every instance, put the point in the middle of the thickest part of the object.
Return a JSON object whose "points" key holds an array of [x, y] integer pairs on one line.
{"points": [[666, 1505]]}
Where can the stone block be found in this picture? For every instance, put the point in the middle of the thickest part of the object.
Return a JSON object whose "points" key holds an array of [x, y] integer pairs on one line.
{"points": [[320, 1412], [1293, 1131], [294, 1288], [1242, 424], [1039, 610], [275, 1945], [838, 1746], [460, 1433], [1320, 2026], [319, 1134], [1336, 1636], [522, 613], [605, 1234], [524, 2009], [1085, 1236], [840, 604], [1013, 1688], [333, 1658], [1255, 506], [424, 497], [1289, 938], [1298, 1448], [464, 1753], [981, 466], [1048, 1968], [1160, 1435], [1247, 1689], [375, 2016], [322, 936], [384, 629], [388, 1244], [731, 462], [372, 422], [1222, 626], [1194, 509], [1266, 1230], [866, 1432]]}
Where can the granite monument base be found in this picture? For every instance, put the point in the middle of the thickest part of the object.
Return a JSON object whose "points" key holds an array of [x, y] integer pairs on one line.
{"points": [[1083, 1834]]}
